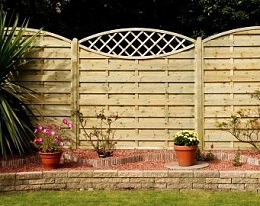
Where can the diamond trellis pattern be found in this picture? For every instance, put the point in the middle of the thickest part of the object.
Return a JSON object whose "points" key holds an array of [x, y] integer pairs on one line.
{"points": [[137, 43]]}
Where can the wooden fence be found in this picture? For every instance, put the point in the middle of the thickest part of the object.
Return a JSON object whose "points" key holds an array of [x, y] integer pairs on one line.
{"points": [[158, 82]]}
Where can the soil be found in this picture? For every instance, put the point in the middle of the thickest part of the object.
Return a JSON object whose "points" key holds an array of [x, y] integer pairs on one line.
{"points": [[141, 165]]}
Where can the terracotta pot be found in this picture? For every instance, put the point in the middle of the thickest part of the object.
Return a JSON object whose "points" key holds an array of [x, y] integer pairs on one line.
{"points": [[185, 155], [50, 160]]}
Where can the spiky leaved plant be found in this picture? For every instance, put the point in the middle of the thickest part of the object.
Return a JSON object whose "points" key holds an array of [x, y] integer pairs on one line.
{"points": [[15, 116]]}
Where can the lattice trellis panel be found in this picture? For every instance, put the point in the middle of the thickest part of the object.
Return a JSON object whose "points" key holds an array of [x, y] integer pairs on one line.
{"points": [[137, 43]]}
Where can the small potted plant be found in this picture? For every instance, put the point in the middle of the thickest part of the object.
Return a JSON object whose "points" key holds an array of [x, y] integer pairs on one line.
{"points": [[50, 140], [185, 146]]}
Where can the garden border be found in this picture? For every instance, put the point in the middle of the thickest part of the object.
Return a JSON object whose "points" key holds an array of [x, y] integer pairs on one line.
{"points": [[135, 179], [152, 156]]}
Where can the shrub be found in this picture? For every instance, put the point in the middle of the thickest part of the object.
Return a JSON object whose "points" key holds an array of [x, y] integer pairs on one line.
{"points": [[102, 137], [15, 115], [204, 156], [244, 125], [236, 161]]}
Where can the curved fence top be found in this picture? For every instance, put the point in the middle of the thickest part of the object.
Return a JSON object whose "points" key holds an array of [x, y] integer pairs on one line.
{"points": [[232, 31], [137, 43]]}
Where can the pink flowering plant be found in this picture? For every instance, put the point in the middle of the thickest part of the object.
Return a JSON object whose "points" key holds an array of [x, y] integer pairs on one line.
{"points": [[53, 137], [186, 138]]}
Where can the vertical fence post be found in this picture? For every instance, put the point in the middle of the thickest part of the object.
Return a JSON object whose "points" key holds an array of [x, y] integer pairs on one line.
{"points": [[199, 100], [75, 86]]}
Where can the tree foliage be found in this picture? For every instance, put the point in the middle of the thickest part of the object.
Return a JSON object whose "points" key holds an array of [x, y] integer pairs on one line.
{"points": [[223, 15], [193, 18]]}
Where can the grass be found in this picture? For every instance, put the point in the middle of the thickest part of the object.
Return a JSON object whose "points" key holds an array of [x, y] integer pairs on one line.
{"points": [[126, 198]]}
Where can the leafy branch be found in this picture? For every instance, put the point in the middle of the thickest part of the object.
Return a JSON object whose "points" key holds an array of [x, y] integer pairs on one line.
{"points": [[243, 126]]}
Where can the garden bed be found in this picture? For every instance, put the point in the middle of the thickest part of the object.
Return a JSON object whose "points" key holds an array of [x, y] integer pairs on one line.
{"points": [[129, 160]]}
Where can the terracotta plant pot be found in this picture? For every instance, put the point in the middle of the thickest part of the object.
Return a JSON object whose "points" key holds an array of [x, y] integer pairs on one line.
{"points": [[185, 155], [50, 160]]}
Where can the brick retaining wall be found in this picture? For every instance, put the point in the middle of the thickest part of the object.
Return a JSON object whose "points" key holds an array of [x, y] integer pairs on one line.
{"points": [[131, 179]]}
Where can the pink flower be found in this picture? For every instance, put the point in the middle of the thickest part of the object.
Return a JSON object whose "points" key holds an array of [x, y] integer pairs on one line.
{"points": [[38, 140], [65, 121], [52, 137], [40, 127], [47, 131], [52, 132], [70, 125]]}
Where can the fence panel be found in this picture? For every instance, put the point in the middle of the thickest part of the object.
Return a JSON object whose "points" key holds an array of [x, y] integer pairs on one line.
{"points": [[231, 74], [157, 82]]}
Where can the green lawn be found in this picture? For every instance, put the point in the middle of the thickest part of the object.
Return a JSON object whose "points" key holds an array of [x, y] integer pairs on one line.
{"points": [[125, 198]]}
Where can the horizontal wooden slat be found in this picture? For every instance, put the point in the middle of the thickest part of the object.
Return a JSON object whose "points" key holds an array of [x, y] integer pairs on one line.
{"points": [[227, 87], [46, 78], [131, 88], [99, 65], [229, 78], [128, 102], [131, 78]]}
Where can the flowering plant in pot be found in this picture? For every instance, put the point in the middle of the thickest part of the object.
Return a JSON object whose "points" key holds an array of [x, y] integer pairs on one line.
{"points": [[50, 140], [185, 146], [186, 138]]}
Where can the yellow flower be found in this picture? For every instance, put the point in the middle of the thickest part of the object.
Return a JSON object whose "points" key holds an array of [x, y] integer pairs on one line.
{"points": [[186, 137]]}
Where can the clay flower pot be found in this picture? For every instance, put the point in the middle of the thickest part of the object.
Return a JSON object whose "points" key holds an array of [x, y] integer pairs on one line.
{"points": [[50, 160], [185, 155]]}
